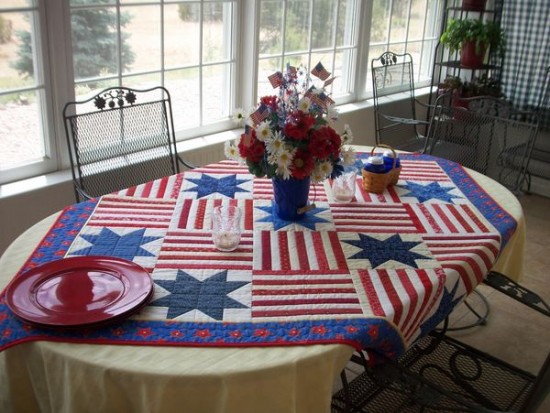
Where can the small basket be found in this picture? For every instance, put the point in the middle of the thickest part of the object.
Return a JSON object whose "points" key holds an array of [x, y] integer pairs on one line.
{"points": [[395, 171], [374, 182], [377, 182]]}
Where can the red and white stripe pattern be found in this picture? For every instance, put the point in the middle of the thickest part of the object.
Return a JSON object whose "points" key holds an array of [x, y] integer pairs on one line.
{"points": [[224, 167], [372, 218], [418, 171], [298, 252], [471, 256], [116, 211], [195, 250], [196, 214], [303, 295], [164, 188], [404, 296], [435, 218]]}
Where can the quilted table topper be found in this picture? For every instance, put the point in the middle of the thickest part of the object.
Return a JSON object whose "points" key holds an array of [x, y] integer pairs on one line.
{"points": [[375, 273]]}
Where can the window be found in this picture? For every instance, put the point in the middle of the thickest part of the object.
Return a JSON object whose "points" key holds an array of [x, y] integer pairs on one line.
{"points": [[26, 148], [406, 26], [187, 47], [212, 55], [306, 32]]}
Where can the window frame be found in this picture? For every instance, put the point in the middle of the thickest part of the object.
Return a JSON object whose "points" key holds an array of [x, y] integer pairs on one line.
{"points": [[55, 56]]}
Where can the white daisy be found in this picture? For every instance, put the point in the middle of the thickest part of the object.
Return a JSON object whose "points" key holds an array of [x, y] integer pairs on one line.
{"points": [[284, 157], [284, 171], [332, 113], [239, 116], [325, 168], [276, 143], [348, 155], [231, 151], [347, 136], [263, 131], [317, 176], [304, 104]]}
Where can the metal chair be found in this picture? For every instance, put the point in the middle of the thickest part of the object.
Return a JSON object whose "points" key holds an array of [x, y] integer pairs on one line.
{"points": [[397, 120], [120, 138], [440, 373], [485, 134], [539, 159]]}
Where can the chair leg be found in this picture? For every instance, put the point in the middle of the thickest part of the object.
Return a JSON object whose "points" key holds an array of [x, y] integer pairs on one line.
{"points": [[481, 317]]}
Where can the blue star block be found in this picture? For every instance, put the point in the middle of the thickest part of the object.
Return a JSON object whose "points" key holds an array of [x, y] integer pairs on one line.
{"points": [[380, 251], [308, 221], [426, 192], [209, 296], [208, 185], [107, 242]]}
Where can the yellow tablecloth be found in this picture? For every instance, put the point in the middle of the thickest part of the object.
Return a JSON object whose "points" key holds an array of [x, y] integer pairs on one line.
{"points": [[63, 377]]}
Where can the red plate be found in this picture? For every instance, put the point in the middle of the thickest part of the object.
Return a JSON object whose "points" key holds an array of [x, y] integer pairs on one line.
{"points": [[80, 291]]}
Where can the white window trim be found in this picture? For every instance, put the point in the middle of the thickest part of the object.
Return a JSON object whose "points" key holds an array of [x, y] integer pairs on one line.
{"points": [[54, 24]]}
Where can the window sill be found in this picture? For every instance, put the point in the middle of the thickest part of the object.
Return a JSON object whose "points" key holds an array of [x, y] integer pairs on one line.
{"points": [[64, 176]]}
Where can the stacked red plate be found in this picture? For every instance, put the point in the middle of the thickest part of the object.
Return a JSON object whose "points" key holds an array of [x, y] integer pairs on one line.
{"points": [[80, 292]]}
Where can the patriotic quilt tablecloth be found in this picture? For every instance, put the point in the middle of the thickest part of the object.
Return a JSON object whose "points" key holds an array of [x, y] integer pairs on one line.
{"points": [[375, 273]]}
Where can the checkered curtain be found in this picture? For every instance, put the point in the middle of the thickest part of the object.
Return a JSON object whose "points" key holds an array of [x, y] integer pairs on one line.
{"points": [[524, 72]]}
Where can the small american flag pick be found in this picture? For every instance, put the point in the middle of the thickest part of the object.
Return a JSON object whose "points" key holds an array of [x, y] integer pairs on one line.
{"points": [[276, 79], [320, 71]]}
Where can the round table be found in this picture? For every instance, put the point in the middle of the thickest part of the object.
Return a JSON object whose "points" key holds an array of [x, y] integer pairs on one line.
{"points": [[64, 377]]}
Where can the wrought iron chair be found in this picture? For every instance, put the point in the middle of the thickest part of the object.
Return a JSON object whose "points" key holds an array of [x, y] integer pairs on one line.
{"points": [[539, 159], [440, 373], [395, 121], [485, 134], [120, 138]]}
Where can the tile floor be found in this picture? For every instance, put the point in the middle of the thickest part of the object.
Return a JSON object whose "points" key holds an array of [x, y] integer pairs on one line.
{"points": [[514, 333]]}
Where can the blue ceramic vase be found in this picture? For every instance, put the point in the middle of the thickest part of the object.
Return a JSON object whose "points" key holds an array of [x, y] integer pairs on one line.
{"points": [[290, 196]]}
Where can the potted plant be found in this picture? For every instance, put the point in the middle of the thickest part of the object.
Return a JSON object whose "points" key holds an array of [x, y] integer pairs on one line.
{"points": [[461, 90], [474, 5], [473, 37]]}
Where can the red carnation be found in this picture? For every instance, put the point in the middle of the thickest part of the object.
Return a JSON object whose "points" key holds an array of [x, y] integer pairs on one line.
{"points": [[325, 142], [298, 125], [302, 164], [250, 147], [270, 101]]}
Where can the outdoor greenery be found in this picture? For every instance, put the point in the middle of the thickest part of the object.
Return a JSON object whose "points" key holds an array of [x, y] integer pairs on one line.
{"points": [[484, 34], [94, 40]]}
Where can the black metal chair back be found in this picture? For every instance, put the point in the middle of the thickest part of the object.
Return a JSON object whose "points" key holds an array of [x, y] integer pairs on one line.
{"points": [[396, 120], [120, 138], [440, 373], [485, 134]]}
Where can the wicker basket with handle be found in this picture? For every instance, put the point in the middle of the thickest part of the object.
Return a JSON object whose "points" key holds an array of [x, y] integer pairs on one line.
{"points": [[374, 182]]}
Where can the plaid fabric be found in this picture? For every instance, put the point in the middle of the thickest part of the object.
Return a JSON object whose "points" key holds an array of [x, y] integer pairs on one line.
{"points": [[524, 71]]}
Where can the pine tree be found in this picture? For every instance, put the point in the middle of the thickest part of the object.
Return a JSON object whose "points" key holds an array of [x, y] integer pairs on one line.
{"points": [[94, 40]]}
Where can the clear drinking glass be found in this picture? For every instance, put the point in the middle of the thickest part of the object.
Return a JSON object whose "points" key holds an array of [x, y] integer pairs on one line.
{"points": [[343, 187], [226, 227]]}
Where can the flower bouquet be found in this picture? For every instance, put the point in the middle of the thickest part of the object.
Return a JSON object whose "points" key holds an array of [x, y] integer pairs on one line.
{"points": [[290, 138]]}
